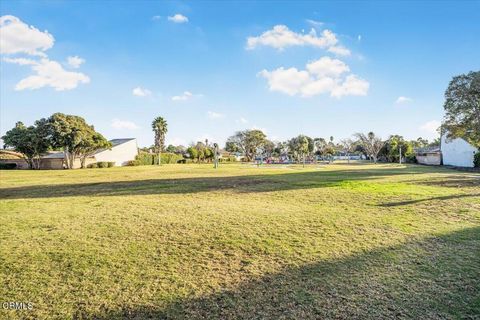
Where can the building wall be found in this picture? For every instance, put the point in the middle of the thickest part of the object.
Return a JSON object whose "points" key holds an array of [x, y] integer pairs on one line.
{"points": [[53, 163], [433, 159], [119, 154], [21, 163], [457, 152]]}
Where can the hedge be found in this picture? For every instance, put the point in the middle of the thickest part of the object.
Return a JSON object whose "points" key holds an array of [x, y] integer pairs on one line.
{"points": [[8, 166], [101, 164], [476, 159], [144, 158]]}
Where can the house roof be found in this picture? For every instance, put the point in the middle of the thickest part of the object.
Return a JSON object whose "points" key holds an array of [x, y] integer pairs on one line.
{"points": [[428, 150], [116, 142], [10, 154]]}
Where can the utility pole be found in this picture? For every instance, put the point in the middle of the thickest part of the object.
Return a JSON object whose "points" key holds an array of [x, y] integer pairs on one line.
{"points": [[400, 151]]}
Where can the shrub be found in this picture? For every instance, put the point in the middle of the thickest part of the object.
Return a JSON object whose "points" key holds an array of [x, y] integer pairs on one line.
{"points": [[8, 166], [92, 165], [111, 164], [149, 158], [476, 159], [102, 164], [133, 163]]}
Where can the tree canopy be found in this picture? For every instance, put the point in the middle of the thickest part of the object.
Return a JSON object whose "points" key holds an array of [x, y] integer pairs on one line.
{"points": [[462, 108], [247, 142]]}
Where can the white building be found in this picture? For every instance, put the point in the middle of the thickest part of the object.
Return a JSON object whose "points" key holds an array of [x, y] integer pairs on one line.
{"points": [[457, 152], [122, 151]]}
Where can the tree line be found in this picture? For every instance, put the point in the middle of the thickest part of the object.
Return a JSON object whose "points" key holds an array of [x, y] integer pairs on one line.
{"points": [[69, 133]]}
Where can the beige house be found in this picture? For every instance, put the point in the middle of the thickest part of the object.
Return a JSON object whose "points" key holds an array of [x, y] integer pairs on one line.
{"points": [[122, 151], [429, 156]]}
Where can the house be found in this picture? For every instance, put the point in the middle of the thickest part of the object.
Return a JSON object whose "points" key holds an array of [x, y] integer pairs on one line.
{"points": [[429, 156], [457, 152], [122, 151]]}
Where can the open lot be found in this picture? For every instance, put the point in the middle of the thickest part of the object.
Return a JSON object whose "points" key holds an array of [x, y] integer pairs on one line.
{"points": [[282, 242]]}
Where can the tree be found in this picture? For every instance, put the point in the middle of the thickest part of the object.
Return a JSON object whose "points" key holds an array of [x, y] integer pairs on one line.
{"points": [[394, 145], [31, 141], [159, 126], [320, 146], [371, 144], [462, 108], [247, 142], [348, 146], [90, 145], [299, 147], [192, 152], [74, 136]]}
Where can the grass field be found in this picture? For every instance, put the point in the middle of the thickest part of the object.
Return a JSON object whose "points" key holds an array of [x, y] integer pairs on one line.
{"points": [[185, 241]]}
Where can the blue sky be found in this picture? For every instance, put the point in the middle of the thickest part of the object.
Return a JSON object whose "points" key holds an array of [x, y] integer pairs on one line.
{"points": [[366, 66]]}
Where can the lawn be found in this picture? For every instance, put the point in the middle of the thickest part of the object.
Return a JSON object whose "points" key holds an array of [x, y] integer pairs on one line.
{"points": [[242, 242]]}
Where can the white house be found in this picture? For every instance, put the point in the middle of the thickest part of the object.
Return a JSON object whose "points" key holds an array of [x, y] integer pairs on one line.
{"points": [[122, 151], [457, 152]]}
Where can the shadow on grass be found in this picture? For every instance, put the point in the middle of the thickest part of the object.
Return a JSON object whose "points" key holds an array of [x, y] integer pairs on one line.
{"points": [[408, 202], [246, 183], [435, 278]]}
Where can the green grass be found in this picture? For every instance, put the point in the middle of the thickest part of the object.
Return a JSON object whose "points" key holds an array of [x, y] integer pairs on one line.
{"points": [[186, 241]]}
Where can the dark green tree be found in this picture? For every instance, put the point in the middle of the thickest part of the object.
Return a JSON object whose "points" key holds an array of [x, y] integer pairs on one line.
{"points": [[462, 108]]}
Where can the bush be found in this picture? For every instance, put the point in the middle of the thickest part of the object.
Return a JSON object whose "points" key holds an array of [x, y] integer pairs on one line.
{"points": [[476, 159], [102, 164], [133, 163], [150, 159], [111, 164], [92, 165], [8, 166]]}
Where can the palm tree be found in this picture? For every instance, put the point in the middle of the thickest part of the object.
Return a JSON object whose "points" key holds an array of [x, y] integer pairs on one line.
{"points": [[159, 126]]}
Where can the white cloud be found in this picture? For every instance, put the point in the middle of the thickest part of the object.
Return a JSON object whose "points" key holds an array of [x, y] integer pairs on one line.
{"points": [[20, 61], [75, 61], [241, 120], [280, 37], [339, 51], [315, 23], [48, 73], [359, 37], [352, 86], [186, 95], [178, 18], [325, 75], [403, 99], [141, 92], [430, 126], [214, 115], [123, 124], [289, 81], [326, 66], [18, 37], [156, 18]]}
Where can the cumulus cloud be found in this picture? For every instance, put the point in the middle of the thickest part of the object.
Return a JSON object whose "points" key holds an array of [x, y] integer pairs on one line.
{"points": [[430, 126], [123, 124], [18, 37], [48, 73], [214, 115], [281, 37], [178, 18], [75, 61], [186, 95], [141, 92], [325, 75], [403, 99]]}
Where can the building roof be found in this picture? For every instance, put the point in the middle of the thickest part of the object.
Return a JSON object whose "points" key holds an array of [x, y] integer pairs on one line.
{"points": [[10, 154], [428, 150], [116, 142]]}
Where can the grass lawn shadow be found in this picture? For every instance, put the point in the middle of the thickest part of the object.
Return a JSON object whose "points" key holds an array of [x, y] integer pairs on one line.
{"points": [[434, 278]]}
